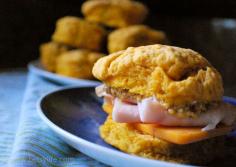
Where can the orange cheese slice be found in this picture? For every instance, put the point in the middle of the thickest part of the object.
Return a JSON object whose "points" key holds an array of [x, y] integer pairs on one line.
{"points": [[107, 108], [181, 135]]}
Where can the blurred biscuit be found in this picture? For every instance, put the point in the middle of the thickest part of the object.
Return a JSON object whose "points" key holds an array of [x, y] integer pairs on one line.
{"points": [[114, 13], [80, 33], [137, 35], [77, 63], [49, 52]]}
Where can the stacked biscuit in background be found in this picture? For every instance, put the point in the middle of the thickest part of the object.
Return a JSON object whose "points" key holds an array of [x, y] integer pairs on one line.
{"points": [[74, 47], [78, 43]]}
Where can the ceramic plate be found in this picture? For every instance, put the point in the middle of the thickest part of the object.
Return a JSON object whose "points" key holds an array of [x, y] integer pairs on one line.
{"points": [[37, 68], [75, 115]]}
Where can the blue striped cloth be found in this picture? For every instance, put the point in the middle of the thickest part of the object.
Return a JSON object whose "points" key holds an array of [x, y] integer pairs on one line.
{"points": [[25, 140]]}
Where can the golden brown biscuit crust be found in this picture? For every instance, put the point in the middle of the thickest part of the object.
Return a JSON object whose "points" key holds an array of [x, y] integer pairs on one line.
{"points": [[114, 13], [174, 75], [126, 138], [77, 63], [49, 52], [137, 35], [80, 33]]}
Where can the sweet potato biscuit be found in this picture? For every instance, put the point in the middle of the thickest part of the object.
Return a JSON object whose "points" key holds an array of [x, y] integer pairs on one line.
{"points": [[137, 35], [174, 75], [80, 33], [49, 52], [77, 63], [126, 138], [114, 13]]}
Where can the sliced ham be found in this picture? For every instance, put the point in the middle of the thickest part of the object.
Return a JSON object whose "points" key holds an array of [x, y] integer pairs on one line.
{"points": [[150, 111], [125, 112]]}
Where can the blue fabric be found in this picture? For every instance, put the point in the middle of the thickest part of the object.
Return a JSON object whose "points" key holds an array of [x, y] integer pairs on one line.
{"points": [[25, 140], [11, 94]]}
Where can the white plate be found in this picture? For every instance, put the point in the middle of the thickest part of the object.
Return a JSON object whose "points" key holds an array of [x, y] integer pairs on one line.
{"points": [[37, 68]]}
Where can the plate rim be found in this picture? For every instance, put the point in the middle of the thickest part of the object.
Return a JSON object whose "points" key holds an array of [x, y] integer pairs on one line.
{"points": [[121, 155], [33, 67]]}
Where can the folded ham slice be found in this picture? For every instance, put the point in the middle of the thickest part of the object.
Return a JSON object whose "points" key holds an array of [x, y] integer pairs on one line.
{"points": [[150, 111], [125, 112]]}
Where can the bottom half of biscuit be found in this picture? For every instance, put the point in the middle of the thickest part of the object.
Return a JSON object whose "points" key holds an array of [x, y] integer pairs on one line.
{"points": [[126, 138]]}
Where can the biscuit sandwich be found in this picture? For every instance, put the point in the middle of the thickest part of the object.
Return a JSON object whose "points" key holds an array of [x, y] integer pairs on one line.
{"points": [[164, 103]]}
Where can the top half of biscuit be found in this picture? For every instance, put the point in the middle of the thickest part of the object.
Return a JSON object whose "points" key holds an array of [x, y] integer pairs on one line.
{"points": [[175, 76]]}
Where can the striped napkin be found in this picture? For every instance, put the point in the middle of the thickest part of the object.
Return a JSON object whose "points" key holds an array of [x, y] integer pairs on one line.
{"points": [[9, 110], [25, 140]]}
